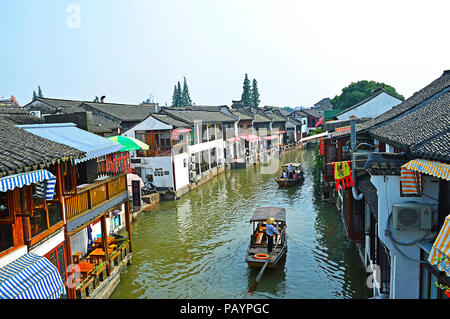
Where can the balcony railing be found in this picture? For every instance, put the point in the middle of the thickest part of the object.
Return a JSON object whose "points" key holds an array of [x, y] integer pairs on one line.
{"points": [[94, 194]]}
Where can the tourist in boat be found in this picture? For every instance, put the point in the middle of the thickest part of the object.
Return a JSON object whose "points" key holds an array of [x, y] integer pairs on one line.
{"points": [[270, 230], [284, 175], [295, 175], [291, 174]]}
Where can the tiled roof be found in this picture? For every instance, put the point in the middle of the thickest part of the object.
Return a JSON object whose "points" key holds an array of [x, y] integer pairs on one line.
{"points": [[313, 113], [72, 106], [122, 112], [22, 151], [422, 131], [275, 117], [18, 115], [242, 114], [369, 191], [421, 96], [169, 120], [189, 116]]}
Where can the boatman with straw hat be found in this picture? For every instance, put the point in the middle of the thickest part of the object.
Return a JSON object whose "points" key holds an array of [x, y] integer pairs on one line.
{"points": [[270, 230]]}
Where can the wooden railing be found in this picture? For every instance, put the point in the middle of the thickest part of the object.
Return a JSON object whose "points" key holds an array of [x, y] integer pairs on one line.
{"points": [[94, 194]]}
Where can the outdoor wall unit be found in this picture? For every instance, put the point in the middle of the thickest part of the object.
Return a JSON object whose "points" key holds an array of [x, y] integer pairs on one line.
{"points": [[359, 160], [412, 216]]}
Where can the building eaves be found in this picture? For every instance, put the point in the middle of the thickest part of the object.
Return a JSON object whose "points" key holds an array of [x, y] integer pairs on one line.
{"points": [[21, 151]]}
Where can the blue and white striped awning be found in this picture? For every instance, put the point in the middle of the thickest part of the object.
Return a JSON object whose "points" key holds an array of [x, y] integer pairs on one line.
{"points": [[31, 277], [44, 180]]}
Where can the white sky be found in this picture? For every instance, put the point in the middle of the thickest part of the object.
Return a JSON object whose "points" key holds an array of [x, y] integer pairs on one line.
{"points": [[298, 51]]}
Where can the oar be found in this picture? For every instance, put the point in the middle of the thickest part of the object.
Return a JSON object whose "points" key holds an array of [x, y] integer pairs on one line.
{"points": [[258, 278]]}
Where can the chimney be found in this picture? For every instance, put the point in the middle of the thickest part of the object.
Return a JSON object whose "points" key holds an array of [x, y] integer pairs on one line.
{"points": [[102, 99]]}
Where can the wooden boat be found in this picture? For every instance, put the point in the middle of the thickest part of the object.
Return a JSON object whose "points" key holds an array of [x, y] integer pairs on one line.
{"points": [[257, 250], [286, 182]]}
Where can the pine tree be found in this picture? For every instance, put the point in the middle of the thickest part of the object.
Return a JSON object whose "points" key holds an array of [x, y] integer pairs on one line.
{"points": [[34, 95], [246, 94], [179, 95], [185, 98], [40, 92], [255, 94], [175, 101]]}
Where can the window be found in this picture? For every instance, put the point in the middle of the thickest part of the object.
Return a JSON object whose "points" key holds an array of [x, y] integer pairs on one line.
{"points": [[6, 236], [68, 177], [56, 257], [205, 161], [213, 158], [6, 211]]}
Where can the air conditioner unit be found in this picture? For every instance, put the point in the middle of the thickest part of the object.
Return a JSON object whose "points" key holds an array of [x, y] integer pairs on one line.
{"points": [[412, 216], [359, 160]]}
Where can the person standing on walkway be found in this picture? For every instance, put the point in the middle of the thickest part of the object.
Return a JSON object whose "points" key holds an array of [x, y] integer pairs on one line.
{"points": [[270, 230]]}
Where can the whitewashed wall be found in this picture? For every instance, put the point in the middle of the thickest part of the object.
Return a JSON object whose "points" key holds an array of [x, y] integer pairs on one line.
{"points": [[404, 272], [372, 108]]}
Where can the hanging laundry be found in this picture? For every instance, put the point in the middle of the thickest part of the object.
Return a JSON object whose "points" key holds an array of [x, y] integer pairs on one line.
{"points": [[342, 174], [411, 182]]}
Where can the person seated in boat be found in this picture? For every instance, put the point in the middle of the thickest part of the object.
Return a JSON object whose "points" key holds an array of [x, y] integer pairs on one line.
{"points": [[270, 230], [284, 175], [290, 174], [294, 176]]}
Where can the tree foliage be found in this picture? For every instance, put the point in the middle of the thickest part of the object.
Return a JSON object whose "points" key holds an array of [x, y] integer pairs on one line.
{"points": [[255, 94], [40, 92], [181, 97], [357, 92], [185, 98], [247, 93]]}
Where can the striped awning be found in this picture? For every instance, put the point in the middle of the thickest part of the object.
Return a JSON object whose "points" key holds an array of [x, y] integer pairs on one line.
{"points": [[440, 252], [436, 169], [44, 180], [30, 277]]}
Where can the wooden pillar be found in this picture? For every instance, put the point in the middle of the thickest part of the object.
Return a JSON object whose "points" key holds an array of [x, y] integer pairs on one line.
{"points": [[443, 201], [128, 222], [105, 242]]}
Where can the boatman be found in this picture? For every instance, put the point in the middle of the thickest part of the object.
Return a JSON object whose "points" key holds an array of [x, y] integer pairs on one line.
{"points": [[270, 230]]}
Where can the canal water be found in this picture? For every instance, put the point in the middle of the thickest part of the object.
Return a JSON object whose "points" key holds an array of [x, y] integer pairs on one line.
{"points": [[195, 247]]}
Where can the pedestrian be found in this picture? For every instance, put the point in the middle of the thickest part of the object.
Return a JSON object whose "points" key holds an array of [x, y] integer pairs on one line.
{"points": [[270, 230]]}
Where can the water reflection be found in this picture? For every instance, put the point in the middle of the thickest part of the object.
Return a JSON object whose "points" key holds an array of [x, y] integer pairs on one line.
{"points": [[195, 247]]}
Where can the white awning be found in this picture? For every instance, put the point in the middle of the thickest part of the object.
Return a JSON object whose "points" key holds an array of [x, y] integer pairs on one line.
{"points": [[314, 137]]}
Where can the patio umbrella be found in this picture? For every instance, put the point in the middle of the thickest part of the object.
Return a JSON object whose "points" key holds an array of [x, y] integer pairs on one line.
{"points": [[129, 143]]}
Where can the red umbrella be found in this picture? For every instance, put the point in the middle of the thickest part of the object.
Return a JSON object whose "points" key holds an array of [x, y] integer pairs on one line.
{"points": [[319, 122]]}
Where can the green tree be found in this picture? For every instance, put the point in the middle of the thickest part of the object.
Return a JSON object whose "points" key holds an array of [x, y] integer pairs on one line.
{"points": [[246, 94], [357, 92], [185, 98], [175, 97], [34, 95], [40, 92], [255, 94]]}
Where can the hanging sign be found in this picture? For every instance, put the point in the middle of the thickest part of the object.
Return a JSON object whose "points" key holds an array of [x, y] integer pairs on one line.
{"points": [[136, 192], [342, 174]]}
